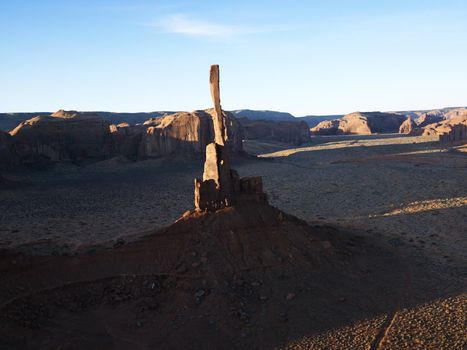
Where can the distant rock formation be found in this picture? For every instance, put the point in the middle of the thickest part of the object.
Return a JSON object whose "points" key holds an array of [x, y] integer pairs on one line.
{"points": [[438, 122], [63, 136], [263, 115], [457, 135], [7, 151], [361, 123], [127, 139], [221, 186], [371, 122], [73, 136], [295, 132], [313, 120], [407, 126], [445, 126], [61, 113], [427, 118], [326, 127], [187, 133]]}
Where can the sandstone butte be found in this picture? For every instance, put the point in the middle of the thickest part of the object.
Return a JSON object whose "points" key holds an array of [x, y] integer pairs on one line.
{"points": [[361, 123], [283, 131]]}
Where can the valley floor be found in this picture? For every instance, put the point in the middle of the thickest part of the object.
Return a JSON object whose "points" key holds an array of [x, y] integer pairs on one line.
{"points": [[408, 193]]}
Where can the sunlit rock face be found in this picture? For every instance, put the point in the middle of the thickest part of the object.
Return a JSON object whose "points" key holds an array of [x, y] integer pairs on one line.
{"points": [[221, 186], [74, 136], [361, 123], [187, 133]]}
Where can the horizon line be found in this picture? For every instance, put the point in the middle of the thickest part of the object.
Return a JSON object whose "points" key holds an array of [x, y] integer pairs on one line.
{"points": [[241, 109]]}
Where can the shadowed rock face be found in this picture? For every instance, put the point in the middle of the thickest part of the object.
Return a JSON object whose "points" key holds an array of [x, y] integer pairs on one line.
{"points": [[63, 136], [7, 152], [188, 133], [427, 118], [61, 113], [177, 133], [69, 135], [326, 127], [369, 123], [295, 132], [361, 123], [127, 139], [407, 126], [457, 135]]}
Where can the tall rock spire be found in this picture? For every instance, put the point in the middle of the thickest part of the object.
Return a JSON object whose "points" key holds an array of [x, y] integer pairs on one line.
{"points": [[221, 187], [220, 135]]}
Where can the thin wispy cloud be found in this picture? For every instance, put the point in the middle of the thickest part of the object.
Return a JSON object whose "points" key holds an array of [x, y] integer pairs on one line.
{"points": [[183, 24], [186, 25]]}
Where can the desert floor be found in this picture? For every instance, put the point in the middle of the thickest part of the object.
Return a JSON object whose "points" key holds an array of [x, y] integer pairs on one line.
{"points": [[408, 193]]}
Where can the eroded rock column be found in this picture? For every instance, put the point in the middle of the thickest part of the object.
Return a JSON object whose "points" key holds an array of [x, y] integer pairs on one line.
{"points": [[220, 135], [221, 186]]}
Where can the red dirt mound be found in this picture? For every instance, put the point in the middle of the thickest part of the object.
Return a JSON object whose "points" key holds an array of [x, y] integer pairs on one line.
{"points": [[249, 276]]}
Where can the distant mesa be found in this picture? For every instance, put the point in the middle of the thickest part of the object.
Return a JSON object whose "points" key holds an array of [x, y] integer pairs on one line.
{"points": [[86, 136], [68, 136], [186, 133], [313, 120], [293, 132], [65, 114], [361, 123], [74, 136], [365, 123]]}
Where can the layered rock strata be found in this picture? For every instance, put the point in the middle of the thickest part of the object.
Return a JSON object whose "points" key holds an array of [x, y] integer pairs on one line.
{"points": [[63, 136], [457, 135]]}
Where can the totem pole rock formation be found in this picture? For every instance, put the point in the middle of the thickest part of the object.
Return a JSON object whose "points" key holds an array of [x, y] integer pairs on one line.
{"points": [[221, 186], [220, 135]]}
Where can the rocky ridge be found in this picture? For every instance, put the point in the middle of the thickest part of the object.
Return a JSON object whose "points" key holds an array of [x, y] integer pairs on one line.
{"points": [[361, 123]]}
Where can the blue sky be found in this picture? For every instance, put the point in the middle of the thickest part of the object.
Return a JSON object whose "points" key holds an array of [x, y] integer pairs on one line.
{"points": [[304, 57]]}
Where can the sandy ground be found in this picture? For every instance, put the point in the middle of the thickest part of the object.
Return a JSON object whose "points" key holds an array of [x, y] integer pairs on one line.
{"points": [[406, 188], [407, 192]]}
